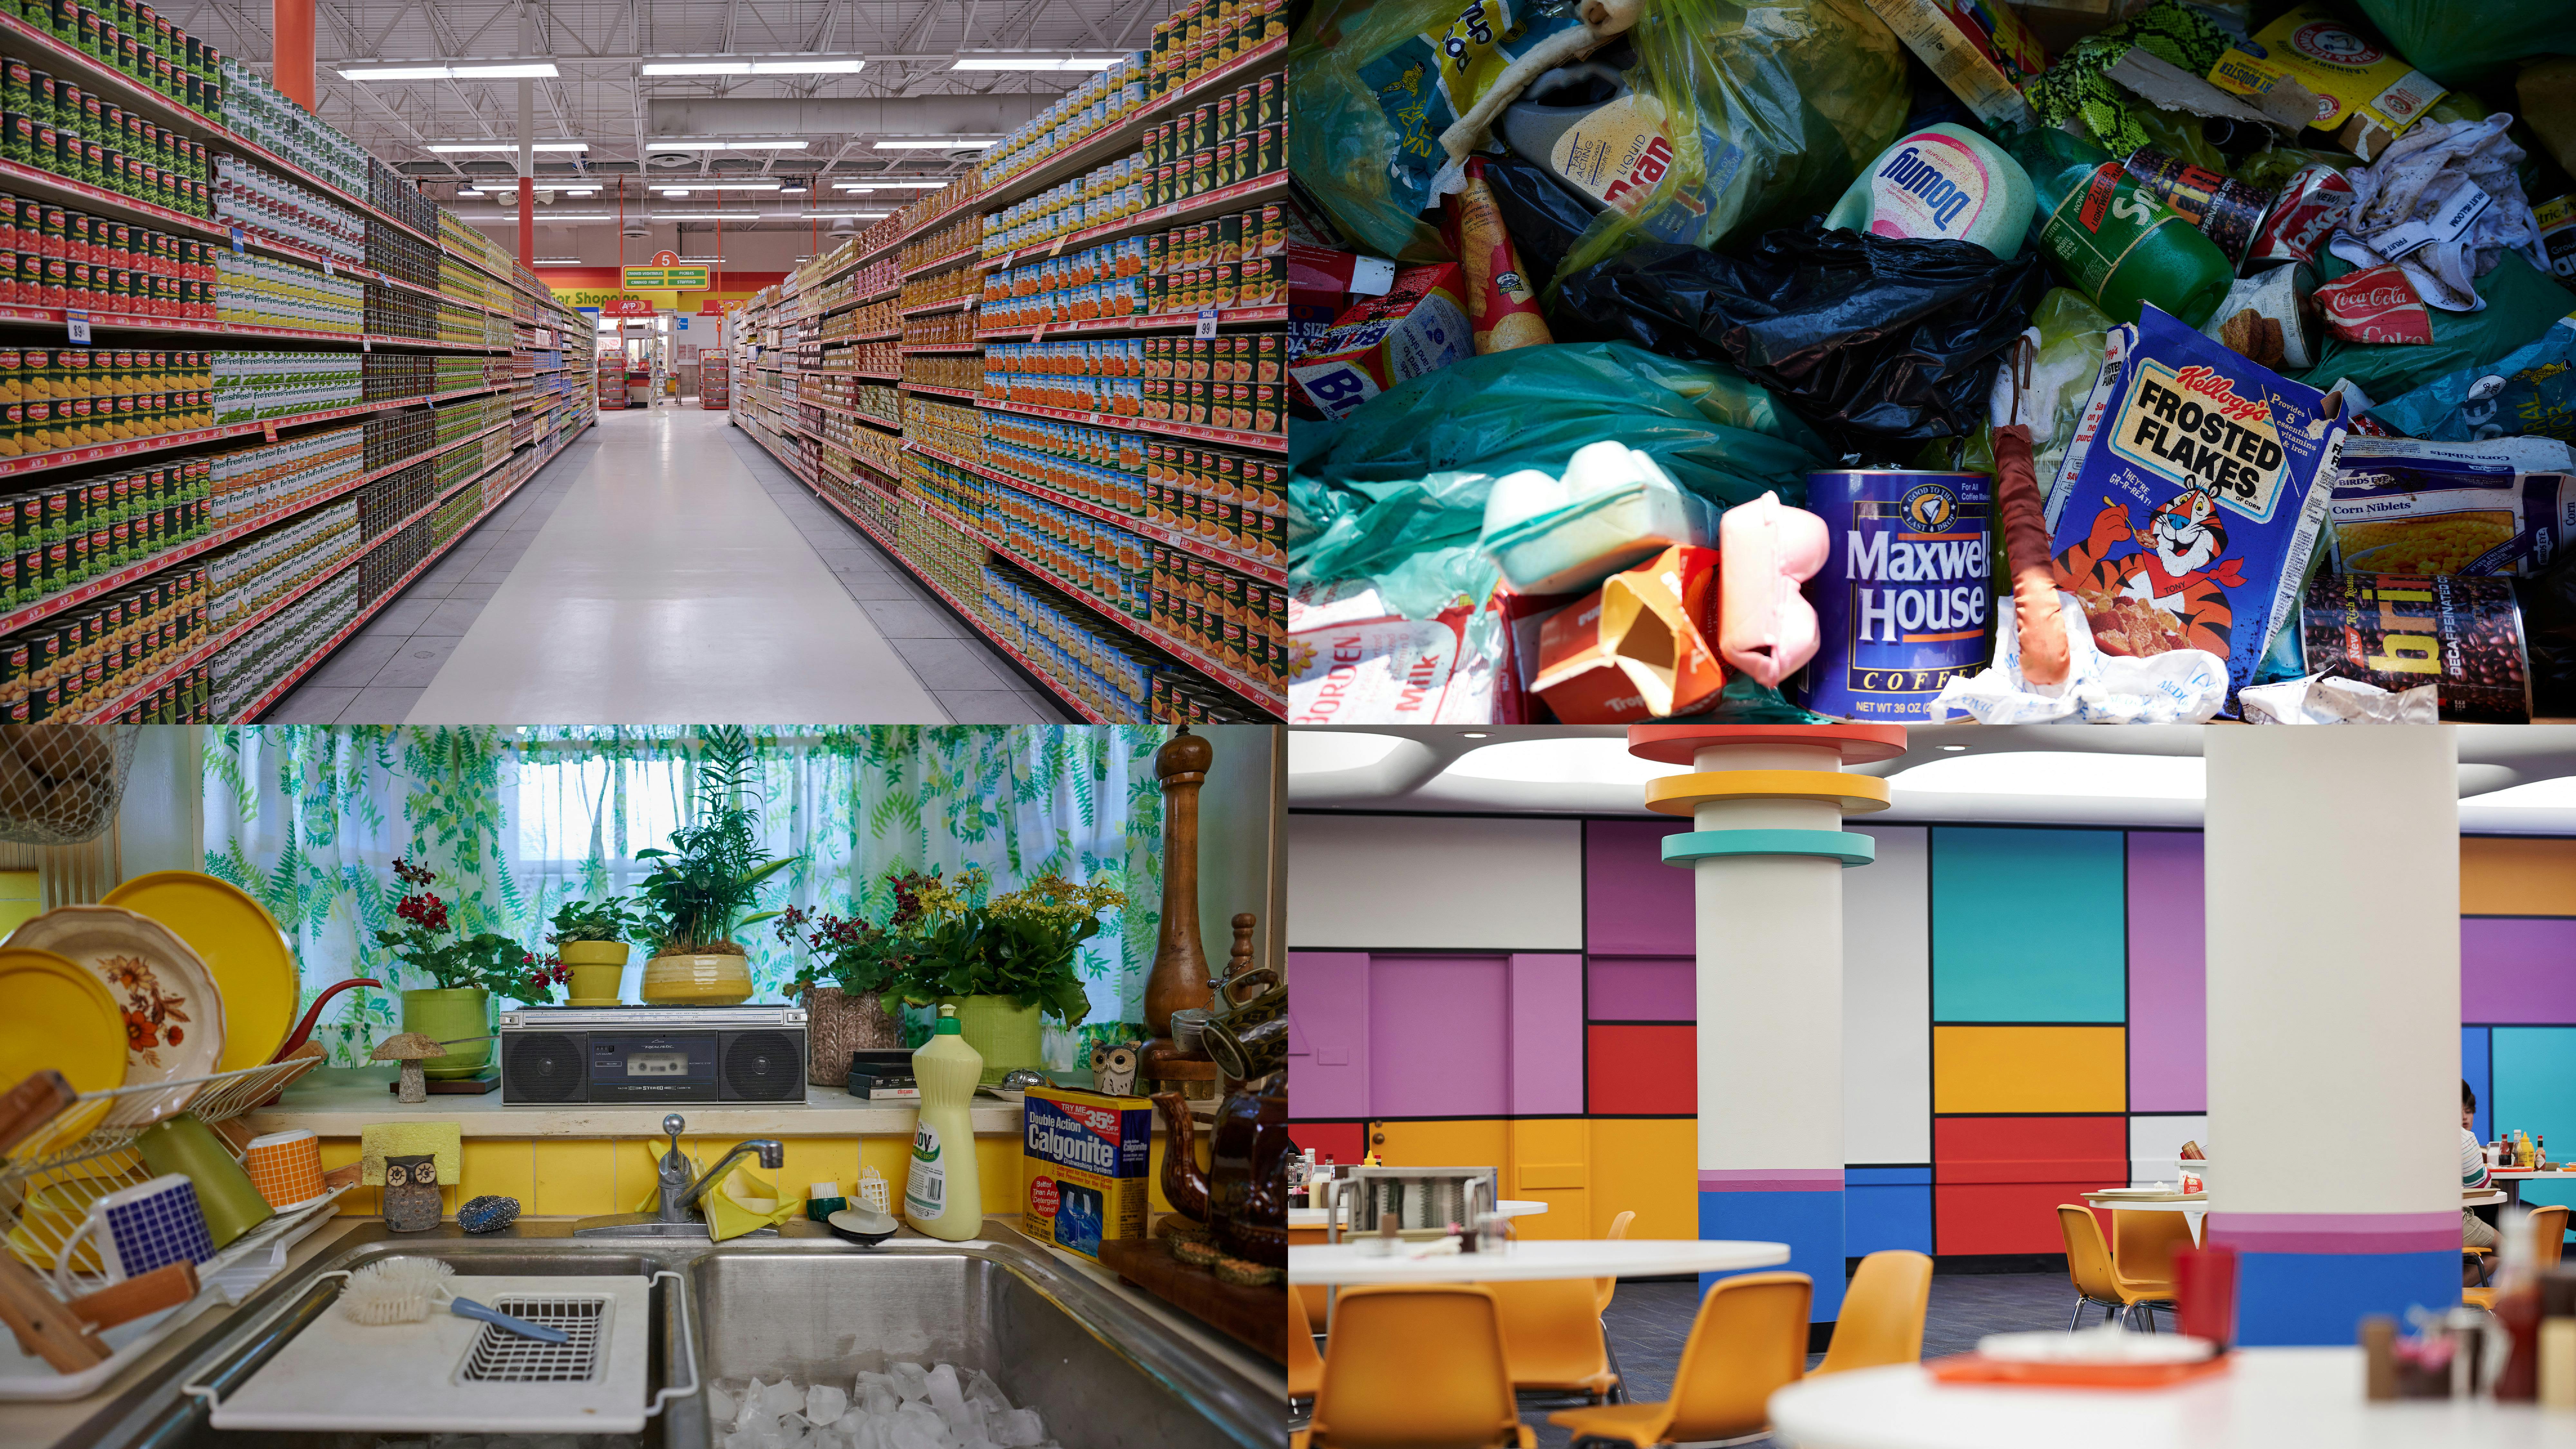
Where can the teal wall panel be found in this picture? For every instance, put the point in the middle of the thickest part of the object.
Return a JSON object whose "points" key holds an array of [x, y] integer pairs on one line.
{"points": [[2029, 925], [2534, 1072]]}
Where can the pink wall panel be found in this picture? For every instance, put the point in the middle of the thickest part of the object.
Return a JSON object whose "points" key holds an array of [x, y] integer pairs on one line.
{"points": [[2518, 969], [2168, 1033], [1633, 903], [1645, 988], [1439, 1036], [1328, 1034], [1547, 1034]]}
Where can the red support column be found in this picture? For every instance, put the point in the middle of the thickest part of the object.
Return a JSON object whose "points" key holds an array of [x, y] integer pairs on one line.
{"points": [[293, 22], [527, 221]]}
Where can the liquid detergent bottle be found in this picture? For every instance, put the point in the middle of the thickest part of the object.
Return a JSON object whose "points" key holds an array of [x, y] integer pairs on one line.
{"points": [[1944, 181], [1606, 140], [941, 1195], [2112, 240]]}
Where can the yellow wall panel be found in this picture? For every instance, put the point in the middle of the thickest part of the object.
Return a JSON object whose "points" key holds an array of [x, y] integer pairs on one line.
{"points": [[1647, 1165], [1466, 1142], [577, 1178], [998, 1160], [815, 1159], [2517, 877], [1551, 1163], [360, 1201], [500, 1167], [2029, 1069]]}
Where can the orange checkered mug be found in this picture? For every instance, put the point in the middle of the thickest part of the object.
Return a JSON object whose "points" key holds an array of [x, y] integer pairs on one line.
{"points": [[286, 1167]]}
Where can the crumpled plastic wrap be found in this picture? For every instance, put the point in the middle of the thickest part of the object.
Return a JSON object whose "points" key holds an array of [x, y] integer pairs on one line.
{"points": [[2180, 686], [2421, 177], [2325, 699]]}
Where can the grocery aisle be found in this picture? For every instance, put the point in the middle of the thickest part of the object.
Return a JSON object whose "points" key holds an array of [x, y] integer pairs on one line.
{"points": [[664, 570]]}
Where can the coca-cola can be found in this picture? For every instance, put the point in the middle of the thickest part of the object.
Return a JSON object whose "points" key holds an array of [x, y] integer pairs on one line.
{"points": [[2227, 211], [2378, 304], [2303, 217]]}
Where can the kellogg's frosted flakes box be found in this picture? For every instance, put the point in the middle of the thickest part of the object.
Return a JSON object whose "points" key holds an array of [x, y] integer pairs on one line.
{"points": [[1084, 1164], [2186, 515]]}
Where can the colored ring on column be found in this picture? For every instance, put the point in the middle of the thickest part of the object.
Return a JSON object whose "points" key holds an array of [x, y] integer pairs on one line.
{"points": [[1849, 847], [1679, 794], [1680, 744]]}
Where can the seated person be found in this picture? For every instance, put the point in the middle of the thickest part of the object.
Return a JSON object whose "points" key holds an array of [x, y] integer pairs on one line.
{"points": [[2475, 1232]]}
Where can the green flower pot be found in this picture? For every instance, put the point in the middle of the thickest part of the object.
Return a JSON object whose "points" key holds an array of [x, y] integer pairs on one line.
{"points": [[445, 1014], [1006, 1034]]}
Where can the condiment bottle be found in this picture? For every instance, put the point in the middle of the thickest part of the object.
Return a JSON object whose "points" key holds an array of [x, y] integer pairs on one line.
{"points": [[942, 1195]]}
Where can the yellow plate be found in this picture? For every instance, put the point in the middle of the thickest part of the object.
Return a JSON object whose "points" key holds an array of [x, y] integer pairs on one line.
{"points": [[241, 946], [59, 1016]]}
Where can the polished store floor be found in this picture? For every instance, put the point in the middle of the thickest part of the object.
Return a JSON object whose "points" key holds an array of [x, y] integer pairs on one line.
{"points": [[665, 570]]}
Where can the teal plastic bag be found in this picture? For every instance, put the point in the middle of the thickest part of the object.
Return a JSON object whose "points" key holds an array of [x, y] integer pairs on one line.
{"points": [[1396, 491], [2457, 43], [2521, 305], [2528, 392]]}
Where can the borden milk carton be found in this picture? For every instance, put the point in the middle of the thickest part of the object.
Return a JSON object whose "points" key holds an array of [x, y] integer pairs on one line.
{"points": [[1085, 1156]]}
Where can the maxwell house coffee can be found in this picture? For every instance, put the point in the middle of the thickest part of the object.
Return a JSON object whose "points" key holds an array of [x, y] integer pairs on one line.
{"points": [[1905, 599]]}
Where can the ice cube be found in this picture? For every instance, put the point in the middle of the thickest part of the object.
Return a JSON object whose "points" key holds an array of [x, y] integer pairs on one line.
{"points": [[946, 1397], [911, 1380], [1019, 1429], [980, 1389], [750, 1404], [824, 1404], [879, 1398], [917, 1431], [782, 1397], [722, 1406]]}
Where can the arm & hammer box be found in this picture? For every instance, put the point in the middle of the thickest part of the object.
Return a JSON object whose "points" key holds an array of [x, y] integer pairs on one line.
{"points": [[1085, 1164]]}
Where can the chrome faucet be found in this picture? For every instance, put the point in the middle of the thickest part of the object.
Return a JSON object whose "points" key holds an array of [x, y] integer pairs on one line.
{"points": [[676, 1209]]}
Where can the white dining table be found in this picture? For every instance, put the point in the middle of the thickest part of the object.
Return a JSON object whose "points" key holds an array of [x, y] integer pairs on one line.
{"points": [[1510, 1207], [2268, 1397], [1365, 1263], [2198, 1207]]}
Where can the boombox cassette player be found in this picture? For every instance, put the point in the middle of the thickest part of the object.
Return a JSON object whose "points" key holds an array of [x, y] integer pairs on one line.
{"points": [[555, 1054]]}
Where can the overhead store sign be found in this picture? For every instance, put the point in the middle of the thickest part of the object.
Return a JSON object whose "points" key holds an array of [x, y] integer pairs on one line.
{"points": [[627, 307], [666, 279]]}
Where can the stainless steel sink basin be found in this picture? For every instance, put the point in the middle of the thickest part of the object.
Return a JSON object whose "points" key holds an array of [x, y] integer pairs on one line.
{"points": [[1106, 1375]]}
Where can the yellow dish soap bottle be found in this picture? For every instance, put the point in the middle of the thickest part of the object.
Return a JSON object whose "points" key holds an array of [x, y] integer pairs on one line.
{"points": [[941, 1195]]}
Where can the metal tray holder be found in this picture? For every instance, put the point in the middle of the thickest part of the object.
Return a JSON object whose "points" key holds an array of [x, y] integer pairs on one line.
{"points": [[101, 1158]]}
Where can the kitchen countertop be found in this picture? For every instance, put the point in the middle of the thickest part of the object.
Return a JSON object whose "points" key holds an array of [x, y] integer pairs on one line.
{"points": [[340, 1101]]}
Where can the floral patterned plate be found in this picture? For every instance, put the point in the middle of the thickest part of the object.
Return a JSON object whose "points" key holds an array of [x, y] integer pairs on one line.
{"points": [[174, 1016]]}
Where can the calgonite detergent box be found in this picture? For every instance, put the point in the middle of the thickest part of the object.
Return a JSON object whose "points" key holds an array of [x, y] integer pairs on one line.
{"points": [[1085, 1160]]}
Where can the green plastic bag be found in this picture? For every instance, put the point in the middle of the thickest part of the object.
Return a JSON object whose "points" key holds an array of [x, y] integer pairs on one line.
{"points": [[2521, 305], [2457, 43], [2075, 88], [1395, 492]]}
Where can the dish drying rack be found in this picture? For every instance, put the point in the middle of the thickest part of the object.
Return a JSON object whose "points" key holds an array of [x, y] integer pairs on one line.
{"points": [[87, 1151]]}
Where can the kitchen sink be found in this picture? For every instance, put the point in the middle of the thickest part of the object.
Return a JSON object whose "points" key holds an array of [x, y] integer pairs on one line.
{"points": [[803, 1304]]}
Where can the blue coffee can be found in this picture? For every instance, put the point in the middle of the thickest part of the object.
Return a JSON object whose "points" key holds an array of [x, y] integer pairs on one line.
{"points": [[1905, 601]]}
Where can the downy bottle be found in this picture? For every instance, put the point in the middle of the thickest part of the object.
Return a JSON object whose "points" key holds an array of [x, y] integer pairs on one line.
{"points": [[941, 1194], [2112, 240]]}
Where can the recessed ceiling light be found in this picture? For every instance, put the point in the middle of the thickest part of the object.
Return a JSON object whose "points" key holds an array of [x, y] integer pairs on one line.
{"points": [[462, 148], [1954, 748], [1571, 760], [956, 144], [1319, 752], [1042, 62], [1473, 735], [2069, 773]]}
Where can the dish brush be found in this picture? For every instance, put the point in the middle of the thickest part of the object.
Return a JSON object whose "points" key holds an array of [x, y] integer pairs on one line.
{"points": [[403, 1290]]}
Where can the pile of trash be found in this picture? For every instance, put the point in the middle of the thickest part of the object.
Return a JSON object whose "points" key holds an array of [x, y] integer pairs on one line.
{"points": [[1904, 360]]}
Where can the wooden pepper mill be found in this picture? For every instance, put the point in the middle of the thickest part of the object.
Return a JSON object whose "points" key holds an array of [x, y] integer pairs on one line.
{"points": [[1179, 979]]}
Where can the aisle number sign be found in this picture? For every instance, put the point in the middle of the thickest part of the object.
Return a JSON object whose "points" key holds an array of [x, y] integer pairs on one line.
{"points": [[666, 279]]}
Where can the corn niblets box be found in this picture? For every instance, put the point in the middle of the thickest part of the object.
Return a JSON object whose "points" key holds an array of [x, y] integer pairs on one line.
{"points": [[2504, 506], [1419, 326], [1084, 1159]]}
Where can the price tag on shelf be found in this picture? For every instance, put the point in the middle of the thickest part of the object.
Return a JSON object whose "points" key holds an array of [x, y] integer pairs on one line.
{"points": [[268, 429], [77, 324], [1207, 323], [238, 246], [366, 344], [326, 268]]}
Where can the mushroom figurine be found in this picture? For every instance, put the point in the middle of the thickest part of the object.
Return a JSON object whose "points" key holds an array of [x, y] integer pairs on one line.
{"points": [[410, 1048]]}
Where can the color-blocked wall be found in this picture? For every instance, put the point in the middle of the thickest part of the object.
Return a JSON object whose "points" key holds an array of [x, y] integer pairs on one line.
{"points": [[2023, 1014]]}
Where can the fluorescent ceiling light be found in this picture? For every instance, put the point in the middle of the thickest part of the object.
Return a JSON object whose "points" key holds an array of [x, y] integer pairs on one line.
{"points": [[705, 216], [1570, 760], [1320, 752], [714, 66], [463, 148], [717, 186], [892, 185], [561, 262], [696, 67], [2557, 794], [960, 143], [1017, 62], [806, 67], [842, 215], [530, 70], [653, 144], [2072, 773]]}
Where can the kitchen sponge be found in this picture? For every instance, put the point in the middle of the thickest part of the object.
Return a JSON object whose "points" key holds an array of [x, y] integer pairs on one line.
{"points": [[488, 1214]]}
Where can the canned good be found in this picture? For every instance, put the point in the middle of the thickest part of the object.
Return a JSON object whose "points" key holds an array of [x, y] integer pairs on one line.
{"points": [[1903, 602]]}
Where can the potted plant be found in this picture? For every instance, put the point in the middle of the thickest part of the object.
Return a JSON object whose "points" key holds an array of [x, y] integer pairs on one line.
{"points": [[702, 890], [851, 969], [589, 938], [1009, 964], [468, 970]]}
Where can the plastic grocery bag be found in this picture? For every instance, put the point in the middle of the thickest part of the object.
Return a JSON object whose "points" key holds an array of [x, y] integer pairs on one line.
{"points": [[2179, 686], [2548, 603], [1545, 216], [1880, 342], [2455, 43], [2521, 305], [1766, 110], [2528, 392]]}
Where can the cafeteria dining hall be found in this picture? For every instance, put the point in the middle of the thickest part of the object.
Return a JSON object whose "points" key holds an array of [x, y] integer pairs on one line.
{"points": [[1873, 1086]]}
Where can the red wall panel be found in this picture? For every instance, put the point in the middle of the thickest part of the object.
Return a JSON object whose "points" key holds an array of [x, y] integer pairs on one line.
{"points": [[1344, 1142], [1997, 1181], [1635, 1071]]}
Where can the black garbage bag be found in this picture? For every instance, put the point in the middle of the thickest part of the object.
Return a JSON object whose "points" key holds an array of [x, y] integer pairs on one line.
{"points": [[1545, 216], [1883, 343], [2548, 601]]}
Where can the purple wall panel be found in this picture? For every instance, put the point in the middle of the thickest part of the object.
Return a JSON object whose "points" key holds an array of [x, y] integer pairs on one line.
{"points": [[1645, 988], [1547, 1034], [2519, 970], [1328, 1034], [2168, 993], [1439, 1036], [1633, 903]]}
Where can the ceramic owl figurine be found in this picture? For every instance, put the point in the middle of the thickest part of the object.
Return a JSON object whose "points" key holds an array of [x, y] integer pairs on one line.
{"points": [[412, 1203], [1113, 1069]]}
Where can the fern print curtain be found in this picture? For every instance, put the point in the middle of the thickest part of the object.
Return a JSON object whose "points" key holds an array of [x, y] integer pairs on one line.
{"points": [[310, 819]]}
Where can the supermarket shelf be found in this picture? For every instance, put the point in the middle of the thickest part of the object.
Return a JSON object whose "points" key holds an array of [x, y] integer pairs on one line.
{"points": [[1153, 322], [1129, 133], [910, 349], [880, 376], [967, 393], [1267, 573], [207, 650], [1171, 213], [101, 452], [962, 254], [887, 423], [953, 304], [973, 621], [1230, 437], [1250, 691], [927, 223]]}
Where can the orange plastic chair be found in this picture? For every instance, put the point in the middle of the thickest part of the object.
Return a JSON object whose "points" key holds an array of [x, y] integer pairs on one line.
{"points": [[1604, 1287], [2143, 1244], [2097, 1278], [2549, 1232], [1749, 1340], [1882, 1320], [1305, 1366], [1416, 1368], [1553, 1338]]}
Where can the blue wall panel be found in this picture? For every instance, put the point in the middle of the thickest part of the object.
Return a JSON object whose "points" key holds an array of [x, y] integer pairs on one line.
{"points": [[1886, 1207], [2478, 1072], [2029, 925]]}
